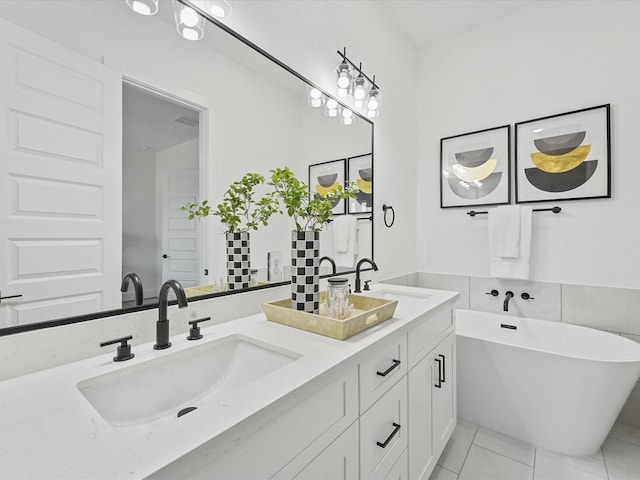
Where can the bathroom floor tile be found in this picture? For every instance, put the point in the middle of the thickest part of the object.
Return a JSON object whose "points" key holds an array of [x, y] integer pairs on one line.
{"points": [[440, 473], [505, 445], [622, 459], [553, 466], [455, 452], [482, 464], [625, 432]]}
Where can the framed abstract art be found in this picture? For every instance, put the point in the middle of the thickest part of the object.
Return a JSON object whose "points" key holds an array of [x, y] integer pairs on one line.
{"points": [[564, 157], [475, 168], [360, 172], [326, 177]]}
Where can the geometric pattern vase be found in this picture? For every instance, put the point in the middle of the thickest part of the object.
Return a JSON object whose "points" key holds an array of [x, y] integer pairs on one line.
{"points": [[305, 278], [238, 262]]}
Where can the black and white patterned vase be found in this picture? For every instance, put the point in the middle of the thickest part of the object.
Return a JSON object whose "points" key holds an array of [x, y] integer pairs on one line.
{"points": [[305, 278], [238, 260]]}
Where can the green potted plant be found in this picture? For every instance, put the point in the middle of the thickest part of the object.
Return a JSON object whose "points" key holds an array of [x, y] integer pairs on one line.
{"points": [[310, 214], [240, 212]]}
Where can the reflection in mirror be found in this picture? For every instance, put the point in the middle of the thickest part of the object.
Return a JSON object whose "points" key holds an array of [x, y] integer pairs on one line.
{"points": [[97, 176]]}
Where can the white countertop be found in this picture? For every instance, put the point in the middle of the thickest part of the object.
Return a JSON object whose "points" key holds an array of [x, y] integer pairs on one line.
{"points": [[49, 430]]}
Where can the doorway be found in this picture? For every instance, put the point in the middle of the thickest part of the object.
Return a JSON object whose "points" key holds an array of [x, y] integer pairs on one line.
{"points": [[161, 148]]}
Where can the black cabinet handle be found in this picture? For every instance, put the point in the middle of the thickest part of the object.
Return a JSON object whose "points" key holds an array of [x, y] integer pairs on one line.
{"points": [[439, 385], [396, 429], [194, 332], [9, 296], [396, 363], [123, 352], [444, 368]]}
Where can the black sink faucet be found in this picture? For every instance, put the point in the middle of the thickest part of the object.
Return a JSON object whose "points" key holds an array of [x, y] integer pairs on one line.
{"points": [[330, 260], [133, 278], [364, 260], [505, 305], [162, 325]]}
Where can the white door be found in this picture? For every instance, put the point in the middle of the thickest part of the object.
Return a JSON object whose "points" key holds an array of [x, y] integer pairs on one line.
{"points": [[60, 180], [179, 234]]}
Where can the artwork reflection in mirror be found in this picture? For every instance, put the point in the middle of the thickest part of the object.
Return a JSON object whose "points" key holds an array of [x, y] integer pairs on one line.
{"points": [[105, 197]]}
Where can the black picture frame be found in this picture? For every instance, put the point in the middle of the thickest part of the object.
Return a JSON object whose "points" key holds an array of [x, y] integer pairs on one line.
{"points": [[475, 168], [325, 176], [560, 157], [360, 172]]}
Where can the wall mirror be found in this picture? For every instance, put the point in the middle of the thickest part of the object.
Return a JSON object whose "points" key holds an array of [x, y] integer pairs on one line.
{"points": [[111, 122]]}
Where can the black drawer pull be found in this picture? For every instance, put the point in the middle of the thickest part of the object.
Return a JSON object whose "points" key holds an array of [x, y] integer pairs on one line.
{"points": [[396, 429], [444, 369], [388, 370], [439, 385]]}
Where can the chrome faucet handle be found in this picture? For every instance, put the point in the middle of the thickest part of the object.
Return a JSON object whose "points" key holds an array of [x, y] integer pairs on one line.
{"points": [[194, 332], [123, 352]]}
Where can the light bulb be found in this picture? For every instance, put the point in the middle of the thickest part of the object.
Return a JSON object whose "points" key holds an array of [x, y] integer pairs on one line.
{"points": [[347, 121], [190, 34], [315, 93], [188, 17], [372, 113], [372, 104], [343, 80], [315, 102], [143, 7], [332, 112], [346, 113], [218, 8], [359, 92], [342, 92], [358, 103], [332, 104], [216, 11]]}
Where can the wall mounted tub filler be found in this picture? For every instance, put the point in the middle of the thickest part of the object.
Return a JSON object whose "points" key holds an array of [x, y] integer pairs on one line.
{"points": [[162, 325], [505, 305], [133, 278], [358, 266]]}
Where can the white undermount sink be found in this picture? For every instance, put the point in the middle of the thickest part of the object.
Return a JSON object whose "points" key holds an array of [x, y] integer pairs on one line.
{"points": [[168, 384], [391, 294]]}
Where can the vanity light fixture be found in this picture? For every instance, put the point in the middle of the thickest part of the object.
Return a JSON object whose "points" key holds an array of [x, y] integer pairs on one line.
{"points": [[331, 108], [353, 82], [143, 7], [217, 8], [190, 24], [315, 97], [346, 117]]}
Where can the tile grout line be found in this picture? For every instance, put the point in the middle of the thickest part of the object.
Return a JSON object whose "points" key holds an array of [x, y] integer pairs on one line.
{"points": [[468, 450], [505, 456]]}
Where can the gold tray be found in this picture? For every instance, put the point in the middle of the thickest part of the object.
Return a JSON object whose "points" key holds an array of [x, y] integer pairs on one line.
{"points": [[367, 312]]}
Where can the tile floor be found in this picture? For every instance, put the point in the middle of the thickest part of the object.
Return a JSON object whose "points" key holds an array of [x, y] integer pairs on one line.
{"points": [[475, 453]]}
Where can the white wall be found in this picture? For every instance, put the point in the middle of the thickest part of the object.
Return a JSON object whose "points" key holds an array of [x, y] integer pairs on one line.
{"points": [[306, 36], [549, 58]]}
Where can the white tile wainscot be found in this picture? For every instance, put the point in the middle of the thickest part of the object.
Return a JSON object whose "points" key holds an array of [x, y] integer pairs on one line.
{"points": [[302, 419]]}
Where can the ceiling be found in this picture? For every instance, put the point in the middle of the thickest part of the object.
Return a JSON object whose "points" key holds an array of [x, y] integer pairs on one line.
{"points": [[428, 21]]}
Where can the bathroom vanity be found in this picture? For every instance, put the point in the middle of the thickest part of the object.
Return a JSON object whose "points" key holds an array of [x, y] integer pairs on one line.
{"points": [[270, 402]]}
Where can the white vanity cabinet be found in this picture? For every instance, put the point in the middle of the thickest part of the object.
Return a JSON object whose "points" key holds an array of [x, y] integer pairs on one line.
{"points": [[432, 395]]}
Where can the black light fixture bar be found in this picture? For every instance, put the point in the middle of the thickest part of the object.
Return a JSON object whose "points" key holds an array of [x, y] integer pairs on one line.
{"points": [[358, 68]]}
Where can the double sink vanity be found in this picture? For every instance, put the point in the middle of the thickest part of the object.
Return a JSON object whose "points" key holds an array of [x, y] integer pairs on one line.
{"points": [[251, 399]]}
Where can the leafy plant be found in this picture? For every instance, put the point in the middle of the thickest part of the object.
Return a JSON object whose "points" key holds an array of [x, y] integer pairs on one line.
{"points": [[239, 211], [309, 213]]}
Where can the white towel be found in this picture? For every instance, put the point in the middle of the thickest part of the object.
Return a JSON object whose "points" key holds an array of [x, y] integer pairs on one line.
{"points": [[509, 242], [345, 240]]}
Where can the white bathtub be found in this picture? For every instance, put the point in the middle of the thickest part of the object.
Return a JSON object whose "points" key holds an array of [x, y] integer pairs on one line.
{"points": [[554, 385]]}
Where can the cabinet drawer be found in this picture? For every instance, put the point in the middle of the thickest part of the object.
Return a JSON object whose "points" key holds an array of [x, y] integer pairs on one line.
{"points": [[422, 338], [380, 370], [399, 470], [383, 433]]}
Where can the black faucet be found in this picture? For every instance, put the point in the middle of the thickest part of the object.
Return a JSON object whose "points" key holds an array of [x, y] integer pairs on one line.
{"points": [[132, 277], [330, 260], [505, 305], [364, 260], [162, 325]]}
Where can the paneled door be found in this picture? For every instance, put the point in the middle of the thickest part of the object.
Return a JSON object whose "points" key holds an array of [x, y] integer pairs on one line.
{"points": [[60, 181]]}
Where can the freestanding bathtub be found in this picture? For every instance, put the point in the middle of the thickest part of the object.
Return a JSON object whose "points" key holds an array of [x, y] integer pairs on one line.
{"points": [[554, 385]]}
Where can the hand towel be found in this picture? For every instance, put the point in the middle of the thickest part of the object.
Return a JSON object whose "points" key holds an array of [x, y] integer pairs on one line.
{"points": [[345, 240], [502, 263]]}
